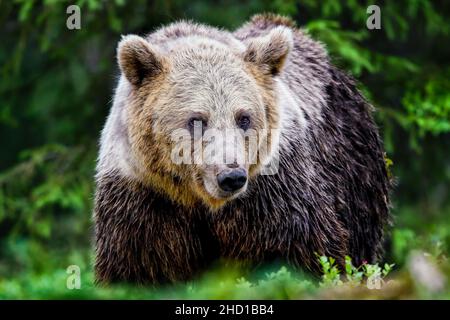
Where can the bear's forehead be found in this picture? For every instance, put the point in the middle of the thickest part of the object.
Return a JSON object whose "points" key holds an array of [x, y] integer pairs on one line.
{"points": [[211, 90], [197, 47], [209, 66], [202, 86], [207, 74], [202, 79]]}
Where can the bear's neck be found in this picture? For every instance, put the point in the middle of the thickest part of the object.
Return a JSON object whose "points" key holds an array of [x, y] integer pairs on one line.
{"points": [[166, 188], [114, 188]]}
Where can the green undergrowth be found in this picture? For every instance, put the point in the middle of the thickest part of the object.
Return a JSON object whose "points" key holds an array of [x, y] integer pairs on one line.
{"points": [[368, 281]]}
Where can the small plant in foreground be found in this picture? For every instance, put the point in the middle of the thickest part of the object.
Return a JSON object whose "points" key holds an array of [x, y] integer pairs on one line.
{"points": [[331, 272], [354, 275]]}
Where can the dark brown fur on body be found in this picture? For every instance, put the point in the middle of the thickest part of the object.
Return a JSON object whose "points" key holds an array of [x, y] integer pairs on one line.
{"points": [[330, 195], [144, 237]]}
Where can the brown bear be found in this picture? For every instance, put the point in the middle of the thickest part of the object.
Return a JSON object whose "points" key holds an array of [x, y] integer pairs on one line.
{"points": [[320, 187]]}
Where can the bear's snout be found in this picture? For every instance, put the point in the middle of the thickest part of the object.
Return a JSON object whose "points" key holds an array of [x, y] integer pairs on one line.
{"points": [[232, 180]]}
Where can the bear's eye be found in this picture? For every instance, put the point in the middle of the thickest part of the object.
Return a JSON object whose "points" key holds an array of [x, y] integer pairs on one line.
{"points": [[197, 123], [243, 122]]}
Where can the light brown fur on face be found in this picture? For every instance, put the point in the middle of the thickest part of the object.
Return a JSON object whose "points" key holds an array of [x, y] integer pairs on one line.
{"points": [[199, 77]]}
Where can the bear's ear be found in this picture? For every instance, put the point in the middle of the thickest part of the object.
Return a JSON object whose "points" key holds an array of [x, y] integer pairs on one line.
{"points": [[270, 51], [138, 60]]}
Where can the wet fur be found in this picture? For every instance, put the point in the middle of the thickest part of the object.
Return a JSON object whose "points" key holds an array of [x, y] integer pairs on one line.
{"points": [[330, 195]]}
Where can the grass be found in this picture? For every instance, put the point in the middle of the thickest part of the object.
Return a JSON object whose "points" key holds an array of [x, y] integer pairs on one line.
{"points": [[364, 282]]}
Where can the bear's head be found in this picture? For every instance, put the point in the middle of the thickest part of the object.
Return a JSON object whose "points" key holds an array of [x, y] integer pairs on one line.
{"points": [[202, 114]]}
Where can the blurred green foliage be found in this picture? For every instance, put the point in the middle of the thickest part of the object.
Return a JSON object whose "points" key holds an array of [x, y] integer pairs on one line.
{"points": [[55, 91]]}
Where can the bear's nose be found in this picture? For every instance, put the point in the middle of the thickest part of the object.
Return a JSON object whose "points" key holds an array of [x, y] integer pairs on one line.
{"points": [[232, 180]]}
